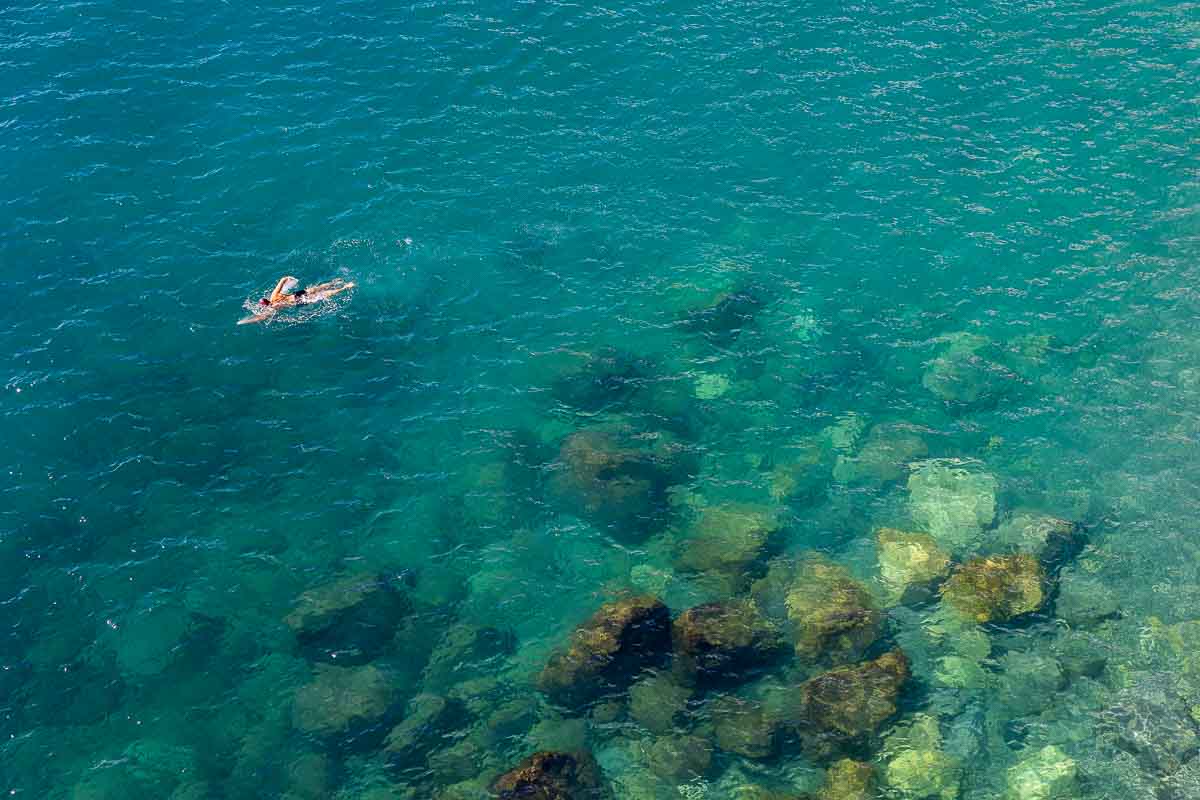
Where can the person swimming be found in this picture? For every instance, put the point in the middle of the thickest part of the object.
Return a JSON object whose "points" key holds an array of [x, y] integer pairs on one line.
{"points": [[283, 296]]}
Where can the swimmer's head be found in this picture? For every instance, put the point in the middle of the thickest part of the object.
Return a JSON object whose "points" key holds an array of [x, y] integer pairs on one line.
{"points": [[264, 302]]}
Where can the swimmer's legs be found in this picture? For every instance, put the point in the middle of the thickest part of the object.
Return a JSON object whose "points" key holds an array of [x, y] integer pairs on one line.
{"points": [[322, 291], [324, 287]]}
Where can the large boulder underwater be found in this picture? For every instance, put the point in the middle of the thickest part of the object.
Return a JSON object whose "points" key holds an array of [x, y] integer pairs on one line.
{"points": [[724, 642], [658, 702], [910, 564], [1044, 774], [1154, 720], [725, 540], [350, 620], [609, 650], [834, 617], [744, 728], [847, 704], [847, 779], [970, 371], [835, 714], [679, 758], [345, 706], [829, 617], [996, 588], [952, 502], [602, 380], [882, 457], [618, 479], [428, 718], [613, 381], [551, 775], [723, 315], [1052, 540]]}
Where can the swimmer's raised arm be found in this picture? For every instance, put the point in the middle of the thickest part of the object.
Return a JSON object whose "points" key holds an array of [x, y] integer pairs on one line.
{"points": [[285, 283]]}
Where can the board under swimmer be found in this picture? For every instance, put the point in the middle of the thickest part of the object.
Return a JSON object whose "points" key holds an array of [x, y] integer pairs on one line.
{"points": [[284, 296]]}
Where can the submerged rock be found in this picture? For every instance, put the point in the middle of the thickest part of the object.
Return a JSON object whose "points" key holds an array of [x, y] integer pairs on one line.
{"points": [[1047, 774], [653, 580], [606, 712], [848, 780], [628, 774], [920, 731], [728, 538], [918, 767], [473, 789], [1080, 654], [658, 702], [603, 380], [618, 481], [461, 760], [850, 702], [481, 497], [1084, 600], [558, 734], [770, 591], [1028, 352], [608, 650], [466, 651], [909, 564], [154, 640], [996, 588], [1053, 540], [743, 728], [480, 696], [953, 504], [959, 672], [145, 769], [1153, 721], [1178, 646], [966, 733], [427, 720], [1183, 784], [351, 619], [922, 773], [1029, 681], [724, 316], [843, 435], [343, 701], [679, 759], [834, 618], [718, 642], [883, 457], [711, 385], [797, 471], [509, 719], [551, 776], [968, 371], [309, 777]]}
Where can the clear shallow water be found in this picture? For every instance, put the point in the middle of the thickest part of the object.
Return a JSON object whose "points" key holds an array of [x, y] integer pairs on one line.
{"points": [[515, 189]]}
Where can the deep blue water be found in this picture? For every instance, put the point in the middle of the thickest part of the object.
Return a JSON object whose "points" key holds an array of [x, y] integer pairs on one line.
{"points": [[973, 225]]}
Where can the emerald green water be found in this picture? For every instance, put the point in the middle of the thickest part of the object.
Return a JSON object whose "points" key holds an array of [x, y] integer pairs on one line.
{"points": [[815, 252]]}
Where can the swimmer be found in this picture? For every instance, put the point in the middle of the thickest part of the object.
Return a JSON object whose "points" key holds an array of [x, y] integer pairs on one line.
{"points": [[282, 296]]}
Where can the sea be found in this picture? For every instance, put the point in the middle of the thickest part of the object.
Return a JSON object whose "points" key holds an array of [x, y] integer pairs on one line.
{"points": [[690, 304]]}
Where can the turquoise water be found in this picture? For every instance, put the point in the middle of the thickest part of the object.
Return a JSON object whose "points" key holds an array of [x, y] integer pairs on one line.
{"points": [[819, 251]]}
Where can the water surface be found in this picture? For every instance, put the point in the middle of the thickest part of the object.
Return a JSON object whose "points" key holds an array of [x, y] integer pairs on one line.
{"points": [[538, 201]]}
